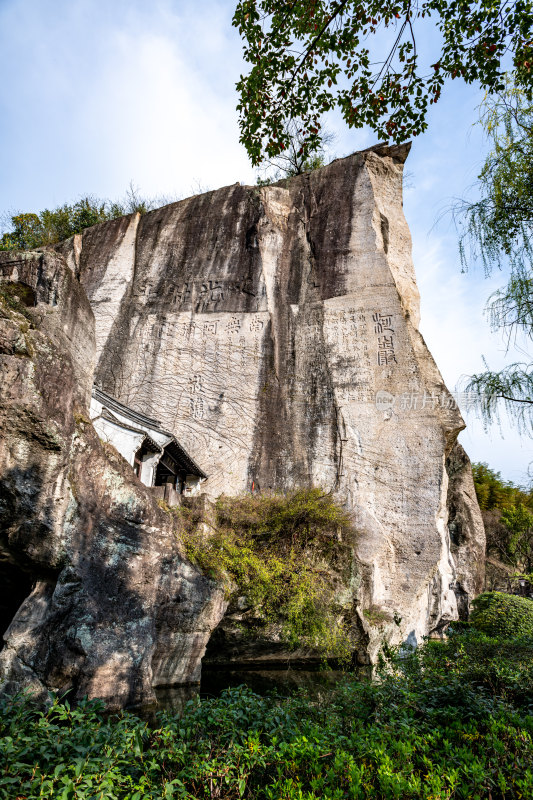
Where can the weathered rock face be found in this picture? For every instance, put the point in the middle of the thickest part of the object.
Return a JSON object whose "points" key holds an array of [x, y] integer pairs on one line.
{"points": [[467, 532], [109, 607], [274, 330]]}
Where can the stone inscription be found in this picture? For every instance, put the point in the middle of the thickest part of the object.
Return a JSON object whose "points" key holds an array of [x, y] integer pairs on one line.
{"points": [[346, 333], [204, 357], [203, 295], [201, 330], [385, 338]]}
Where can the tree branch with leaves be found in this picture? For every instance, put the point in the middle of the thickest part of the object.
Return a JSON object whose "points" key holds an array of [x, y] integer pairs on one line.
{"points": [[308, 57]]}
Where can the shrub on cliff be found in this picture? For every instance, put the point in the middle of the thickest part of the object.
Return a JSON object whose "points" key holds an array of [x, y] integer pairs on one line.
{"points": [[303, 516], [499, 614], [287, 555]]}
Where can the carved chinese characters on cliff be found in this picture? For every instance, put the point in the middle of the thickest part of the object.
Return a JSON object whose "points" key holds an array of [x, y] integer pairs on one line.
{"points": [[385, 338], [209, 295], [346, 332], [209, 359]]}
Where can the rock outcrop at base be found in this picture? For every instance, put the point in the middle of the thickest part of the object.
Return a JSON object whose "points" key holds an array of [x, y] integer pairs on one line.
{"points": [[274, 331], [95, 593]]}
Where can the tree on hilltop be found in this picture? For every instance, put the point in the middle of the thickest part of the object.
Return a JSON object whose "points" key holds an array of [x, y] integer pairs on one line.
{"points": [[294, 160]]}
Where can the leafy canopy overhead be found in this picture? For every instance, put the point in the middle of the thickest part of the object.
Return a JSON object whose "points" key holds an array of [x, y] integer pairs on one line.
{"points": [[308, 57]]}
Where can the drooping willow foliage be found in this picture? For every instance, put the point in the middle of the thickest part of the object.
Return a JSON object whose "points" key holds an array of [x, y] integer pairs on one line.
{"points": [[498, 230], [498, 227], [511, 387]]}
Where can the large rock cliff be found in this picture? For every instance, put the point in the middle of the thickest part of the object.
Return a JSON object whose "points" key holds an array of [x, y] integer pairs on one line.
{"points": [[274, 330]]}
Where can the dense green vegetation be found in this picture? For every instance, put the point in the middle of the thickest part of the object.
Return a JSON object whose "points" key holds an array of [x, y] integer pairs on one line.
{"points": [[494, 493], [508, 516], [452, 720], [288, 554]]}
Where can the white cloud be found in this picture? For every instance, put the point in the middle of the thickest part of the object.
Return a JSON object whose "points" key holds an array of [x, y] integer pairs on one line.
{"points": [[100, 95]]}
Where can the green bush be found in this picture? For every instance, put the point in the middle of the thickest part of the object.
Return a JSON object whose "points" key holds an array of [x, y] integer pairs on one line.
{"points": [[289, 555], [499, 614], [501, 667]]}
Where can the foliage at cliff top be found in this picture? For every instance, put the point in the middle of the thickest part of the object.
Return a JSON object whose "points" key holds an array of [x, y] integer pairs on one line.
{"points": [[308, 57], [27, 231], [498, 614], [451, 721], [288, 555]]}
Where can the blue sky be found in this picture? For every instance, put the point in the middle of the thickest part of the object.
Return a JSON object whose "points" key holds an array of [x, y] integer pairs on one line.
{"points": [[96, 94]]}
